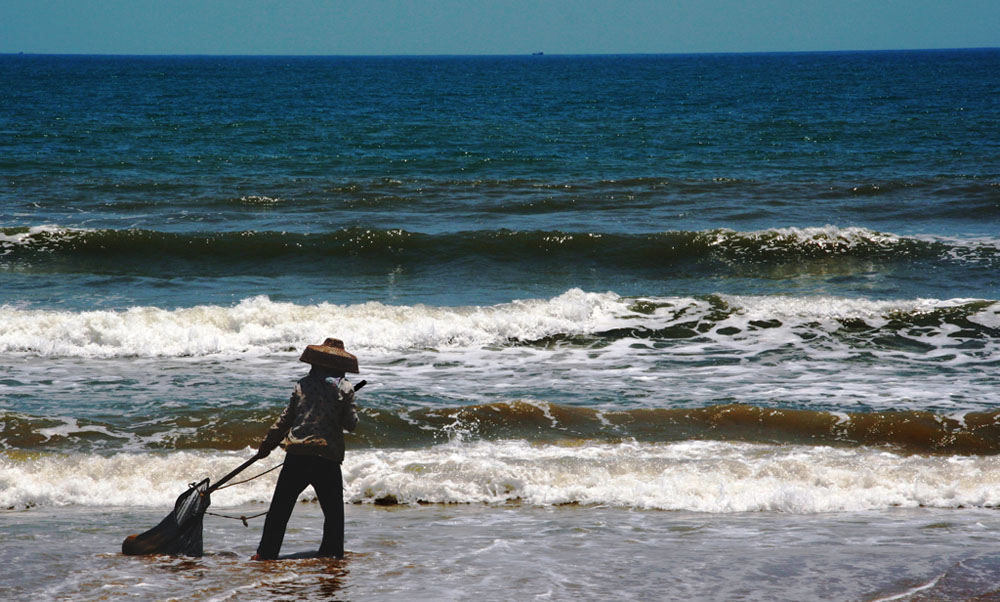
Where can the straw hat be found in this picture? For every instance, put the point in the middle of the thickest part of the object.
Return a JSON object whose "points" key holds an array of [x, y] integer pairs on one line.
{"points": [[330, 355]]}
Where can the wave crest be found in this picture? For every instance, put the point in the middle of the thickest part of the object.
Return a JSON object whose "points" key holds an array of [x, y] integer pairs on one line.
{"points": [[148, 251], [702, 476], [260, 326]]}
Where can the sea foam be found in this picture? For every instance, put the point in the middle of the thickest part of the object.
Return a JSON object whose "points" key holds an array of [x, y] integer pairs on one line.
{"points": [[713, 477], [259, 325]]}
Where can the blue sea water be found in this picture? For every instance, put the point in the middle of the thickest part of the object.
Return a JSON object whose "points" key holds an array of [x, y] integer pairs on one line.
{"points": [[644, 298], [221, 168]]}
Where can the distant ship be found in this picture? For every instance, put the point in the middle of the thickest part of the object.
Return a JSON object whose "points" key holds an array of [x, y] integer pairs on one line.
{"points": [[537, 53]]}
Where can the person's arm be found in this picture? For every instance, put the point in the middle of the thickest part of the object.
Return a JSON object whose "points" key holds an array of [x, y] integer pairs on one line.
{"points": [[280, 427]]}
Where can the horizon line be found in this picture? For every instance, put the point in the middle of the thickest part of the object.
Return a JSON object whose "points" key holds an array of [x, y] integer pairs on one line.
{"points": [[539, 54]]}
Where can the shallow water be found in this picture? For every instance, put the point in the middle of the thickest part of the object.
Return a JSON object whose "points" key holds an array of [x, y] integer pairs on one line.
{"points": [[456, 552]]}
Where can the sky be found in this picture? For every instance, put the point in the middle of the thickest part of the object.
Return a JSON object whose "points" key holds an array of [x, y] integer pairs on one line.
{"points": [[433, 27]]}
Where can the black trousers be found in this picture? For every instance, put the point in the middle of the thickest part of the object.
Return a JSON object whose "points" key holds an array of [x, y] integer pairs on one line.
{"points": [[298, 473]]}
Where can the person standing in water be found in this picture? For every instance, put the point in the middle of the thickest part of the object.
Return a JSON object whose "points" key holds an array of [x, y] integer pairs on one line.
{"points": [[311, 430]]}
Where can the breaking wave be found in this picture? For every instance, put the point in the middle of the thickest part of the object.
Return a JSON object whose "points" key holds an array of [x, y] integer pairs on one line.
{"points": [[148, 251], [938, 329], [909, 431], [703, 476]]}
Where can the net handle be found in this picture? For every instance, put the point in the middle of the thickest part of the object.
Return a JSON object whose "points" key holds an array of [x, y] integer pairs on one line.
{"points": [[235, 472]]}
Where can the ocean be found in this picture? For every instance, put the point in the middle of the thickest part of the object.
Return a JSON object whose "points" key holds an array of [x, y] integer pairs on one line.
{"points": [[680, 327]]}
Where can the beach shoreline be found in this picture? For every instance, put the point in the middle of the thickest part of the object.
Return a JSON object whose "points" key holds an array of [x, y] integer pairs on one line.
{"points": [[452, 552]]}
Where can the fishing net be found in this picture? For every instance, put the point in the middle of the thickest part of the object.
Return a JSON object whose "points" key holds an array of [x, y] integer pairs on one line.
{"points": [[179, 534]]}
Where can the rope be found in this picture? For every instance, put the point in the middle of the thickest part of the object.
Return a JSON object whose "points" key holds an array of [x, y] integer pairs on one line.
{"points": [[243, 518], [251, 478]]}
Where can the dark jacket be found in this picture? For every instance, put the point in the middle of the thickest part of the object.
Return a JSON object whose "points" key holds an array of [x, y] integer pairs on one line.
{"points": [[320, 410]]}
